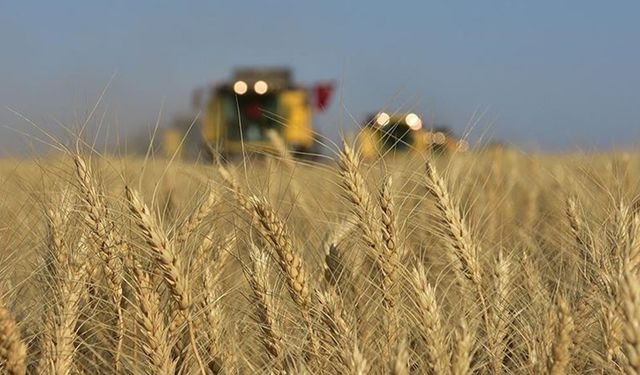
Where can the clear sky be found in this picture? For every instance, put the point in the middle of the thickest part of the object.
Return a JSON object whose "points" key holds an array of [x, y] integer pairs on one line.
{"points": [[545, 74]]}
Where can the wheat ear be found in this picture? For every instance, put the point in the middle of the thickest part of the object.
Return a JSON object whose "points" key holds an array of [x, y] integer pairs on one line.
{"points": [[57, 218], [287, 159], [633, 253], [70, 292], [356, 192], [278, 237], [359, 364], [258, 278], [498, 313], [211, 303], [276, 233], [233, 184], [334, 266], [463, 351], [466, 249], [389, 260], [102, 230], [378, 232], [430, 322], [13, 351], [630, 301], [579, 233], [166, 260], [341, 331], [563, 341], [400, 365], [152, 325], [197, 216]]}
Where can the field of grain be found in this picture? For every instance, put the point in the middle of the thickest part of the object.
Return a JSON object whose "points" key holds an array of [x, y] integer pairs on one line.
{"points": [[492, 262]]}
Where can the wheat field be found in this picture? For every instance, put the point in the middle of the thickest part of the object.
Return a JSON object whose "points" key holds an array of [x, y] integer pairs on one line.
{"points": [[488, 262]]}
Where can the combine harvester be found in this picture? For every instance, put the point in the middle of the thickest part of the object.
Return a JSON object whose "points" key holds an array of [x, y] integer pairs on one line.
{"points": [[392, 134], [237, 116]]}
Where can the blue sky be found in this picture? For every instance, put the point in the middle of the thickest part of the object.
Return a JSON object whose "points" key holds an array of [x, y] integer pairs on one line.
{"points": [[542, 74]]}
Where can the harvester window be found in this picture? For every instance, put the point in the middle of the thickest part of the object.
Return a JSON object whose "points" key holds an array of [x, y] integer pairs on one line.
{"points": [[396, 136], [256, 116]]}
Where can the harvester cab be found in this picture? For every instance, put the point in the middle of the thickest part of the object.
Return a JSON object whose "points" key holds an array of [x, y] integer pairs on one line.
{"points": [[389, 134], [237, 116]]}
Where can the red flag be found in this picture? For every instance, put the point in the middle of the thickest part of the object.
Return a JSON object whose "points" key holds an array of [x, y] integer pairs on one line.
{"points": [[322, 95]]}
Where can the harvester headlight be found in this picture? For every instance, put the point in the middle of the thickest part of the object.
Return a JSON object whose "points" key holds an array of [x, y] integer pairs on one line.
{"points": [[240, 87], [439, 138], [463, 146], [382, 119], [413, 121], [260, 87]]}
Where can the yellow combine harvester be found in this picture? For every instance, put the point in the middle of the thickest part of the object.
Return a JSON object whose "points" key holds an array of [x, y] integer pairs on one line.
{"points": [[237, 115], [385, 134]]}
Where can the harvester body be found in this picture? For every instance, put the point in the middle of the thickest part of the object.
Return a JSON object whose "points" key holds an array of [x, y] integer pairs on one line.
{"points": [[390, 134], [238, 115]]}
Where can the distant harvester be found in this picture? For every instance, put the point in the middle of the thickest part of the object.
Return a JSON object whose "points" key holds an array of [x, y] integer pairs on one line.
{"points": [[401, 133], [237, 115]]}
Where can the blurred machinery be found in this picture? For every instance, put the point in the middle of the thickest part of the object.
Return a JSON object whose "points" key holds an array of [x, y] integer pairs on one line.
{"points": [[386, 133], [182, 139], [236, 116]]}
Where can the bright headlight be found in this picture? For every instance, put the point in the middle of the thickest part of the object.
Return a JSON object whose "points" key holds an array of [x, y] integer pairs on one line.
{"points": [[240, 87], [260, 87], [382, 119], [413, 121], [463, 146]]}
